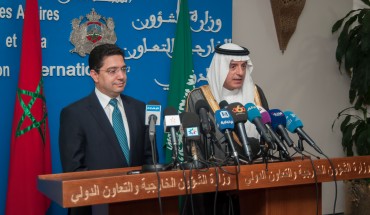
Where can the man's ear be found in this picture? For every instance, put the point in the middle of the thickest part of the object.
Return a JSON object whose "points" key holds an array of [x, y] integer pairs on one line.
{"points": [[94, 75]]}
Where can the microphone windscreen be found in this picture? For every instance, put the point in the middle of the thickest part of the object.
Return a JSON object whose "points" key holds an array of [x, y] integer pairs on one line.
{"points": [[277, 118], [182, 115], [190, 119], [190, 124], [170, 111], [223, 104], [292, 121], [238, 112], [201, 104], [252, 111], [154, 102], [265, 117], [224, 120]]}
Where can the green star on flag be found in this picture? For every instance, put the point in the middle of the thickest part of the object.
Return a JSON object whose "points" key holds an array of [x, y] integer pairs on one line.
{"points": [[27, 114]]}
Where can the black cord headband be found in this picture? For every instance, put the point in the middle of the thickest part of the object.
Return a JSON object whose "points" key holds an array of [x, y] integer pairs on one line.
{"points": [[219, 50]]}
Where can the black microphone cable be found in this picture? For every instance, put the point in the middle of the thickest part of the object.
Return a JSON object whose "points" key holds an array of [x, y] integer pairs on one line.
{"points": [[303, 156], [191, 189], [212, 160], [158, 181], [300, 144], [186, 192], [316, 185], [334, 178], [334, 173], [189, 192], [192, 166], [216, 192]]}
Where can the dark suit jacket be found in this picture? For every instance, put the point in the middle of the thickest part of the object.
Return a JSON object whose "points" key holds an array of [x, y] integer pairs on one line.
{"points": [[87, 140]]}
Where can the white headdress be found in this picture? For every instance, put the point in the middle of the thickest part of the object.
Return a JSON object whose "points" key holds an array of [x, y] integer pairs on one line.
{"points": [[218, 71]]}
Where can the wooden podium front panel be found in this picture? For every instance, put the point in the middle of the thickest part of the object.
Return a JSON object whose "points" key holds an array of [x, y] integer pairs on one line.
{"points": [[115, 185], [170, 206], [275, 189], [300, 172], [300, 200]]}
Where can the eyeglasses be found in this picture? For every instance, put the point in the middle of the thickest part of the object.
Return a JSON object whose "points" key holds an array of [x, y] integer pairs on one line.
{"points": [[112, 71]]}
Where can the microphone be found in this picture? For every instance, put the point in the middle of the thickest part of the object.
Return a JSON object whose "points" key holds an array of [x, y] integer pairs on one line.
{"points": [[239, 115], [266, 119], [152, 117], [202, 109], [190, 124], [278, 123], [254, 116], [295, 125], [225, 124], [172, 124], [207, 126], [223, 104]]}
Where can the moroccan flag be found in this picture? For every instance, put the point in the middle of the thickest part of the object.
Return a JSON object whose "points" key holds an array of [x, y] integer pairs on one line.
{"points": [[182, 79], [30, 141]]}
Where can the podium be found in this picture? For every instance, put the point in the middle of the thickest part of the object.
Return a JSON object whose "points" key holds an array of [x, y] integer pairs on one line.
{"points": [[292, 187]]}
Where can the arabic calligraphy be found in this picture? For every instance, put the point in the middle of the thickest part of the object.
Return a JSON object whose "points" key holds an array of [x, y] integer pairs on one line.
{"points": [[301, 173], [208, 24], [153, 22], [86, 192], [167, 48]]}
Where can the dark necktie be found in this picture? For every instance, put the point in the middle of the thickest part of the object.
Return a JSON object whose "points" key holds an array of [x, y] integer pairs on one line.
{"points": [[119, 128]]}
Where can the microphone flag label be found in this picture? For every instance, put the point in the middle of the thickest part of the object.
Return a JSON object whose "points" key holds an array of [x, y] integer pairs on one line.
{"points": [[171, 121], [153, 110]]}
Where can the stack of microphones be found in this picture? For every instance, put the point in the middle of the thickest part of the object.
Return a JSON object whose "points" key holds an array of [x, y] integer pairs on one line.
{"points": [[230, 120]]}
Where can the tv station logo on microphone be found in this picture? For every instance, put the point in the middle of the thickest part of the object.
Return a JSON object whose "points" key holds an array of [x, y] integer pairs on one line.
{"points": [[192, 132], [224, 114], [252, 107], [277, 113], [153, 108], [239, 109]]}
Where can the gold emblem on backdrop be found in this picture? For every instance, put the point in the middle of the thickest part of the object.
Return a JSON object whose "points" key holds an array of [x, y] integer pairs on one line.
{"points": [[94, 31]]}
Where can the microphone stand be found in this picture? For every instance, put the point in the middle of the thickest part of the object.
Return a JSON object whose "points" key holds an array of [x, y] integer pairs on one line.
{"points": [[207, 150], [195, 162], [212, 158], [283, 155], [155, 167], [300, 146], [175, 150]]}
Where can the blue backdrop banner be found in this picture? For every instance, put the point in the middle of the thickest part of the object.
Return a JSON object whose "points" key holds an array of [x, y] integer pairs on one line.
{"points": [[144, 29]]}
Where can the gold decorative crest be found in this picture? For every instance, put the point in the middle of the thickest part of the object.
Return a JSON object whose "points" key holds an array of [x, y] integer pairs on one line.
{"points": [[95, 31]]}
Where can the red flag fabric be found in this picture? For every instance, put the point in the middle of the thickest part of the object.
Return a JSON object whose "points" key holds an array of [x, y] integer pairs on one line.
{"points": [[30, 140]]}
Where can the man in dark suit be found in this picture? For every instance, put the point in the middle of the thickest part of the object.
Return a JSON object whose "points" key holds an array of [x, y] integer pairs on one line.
{"points": [[106, 129]]}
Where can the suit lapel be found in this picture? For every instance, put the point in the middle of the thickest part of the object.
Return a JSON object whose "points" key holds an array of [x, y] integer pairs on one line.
{"points": [[131, 119]]}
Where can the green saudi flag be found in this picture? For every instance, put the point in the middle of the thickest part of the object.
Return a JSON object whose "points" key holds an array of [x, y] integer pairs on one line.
{"points": [[182, 78]]}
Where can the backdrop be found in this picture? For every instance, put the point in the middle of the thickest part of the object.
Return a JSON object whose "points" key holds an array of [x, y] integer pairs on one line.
{"points": [[145, 29]]}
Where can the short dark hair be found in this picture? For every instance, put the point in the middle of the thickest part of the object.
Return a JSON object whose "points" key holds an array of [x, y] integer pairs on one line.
{"points": [[98, 54]]}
